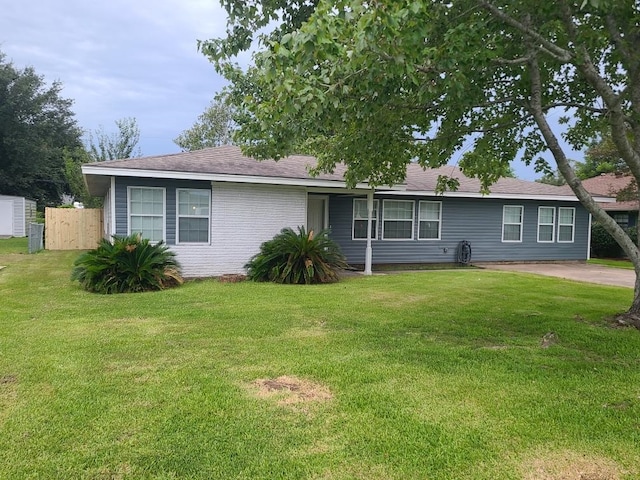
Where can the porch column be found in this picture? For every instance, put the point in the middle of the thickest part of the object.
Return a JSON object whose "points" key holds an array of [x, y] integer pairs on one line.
{"points": [[369, 253]]}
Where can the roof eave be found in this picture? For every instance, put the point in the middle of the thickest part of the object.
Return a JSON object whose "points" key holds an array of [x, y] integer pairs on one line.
{"points": [[95, 171]]}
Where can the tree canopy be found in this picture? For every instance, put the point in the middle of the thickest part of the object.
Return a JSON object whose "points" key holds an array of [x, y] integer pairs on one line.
{"points": [[379, 84], [36, 125], [214, 127], [114, 146], [601, 157]]}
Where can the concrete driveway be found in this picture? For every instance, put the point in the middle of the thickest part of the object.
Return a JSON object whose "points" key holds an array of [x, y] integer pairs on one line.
{"points": [[581, 272]]}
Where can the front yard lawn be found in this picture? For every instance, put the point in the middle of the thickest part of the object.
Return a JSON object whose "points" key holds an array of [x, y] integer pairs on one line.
{"points": [[610, 262], [429, 375]]}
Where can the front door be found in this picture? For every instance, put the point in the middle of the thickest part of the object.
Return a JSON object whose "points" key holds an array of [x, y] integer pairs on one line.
{"points": [[317, 213]]}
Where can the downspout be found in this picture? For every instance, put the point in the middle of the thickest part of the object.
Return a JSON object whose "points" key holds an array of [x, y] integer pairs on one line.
{"points": [[369, 253]]}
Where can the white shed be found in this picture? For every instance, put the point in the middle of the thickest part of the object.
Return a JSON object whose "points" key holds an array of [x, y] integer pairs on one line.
{"points": [[15, 215]]}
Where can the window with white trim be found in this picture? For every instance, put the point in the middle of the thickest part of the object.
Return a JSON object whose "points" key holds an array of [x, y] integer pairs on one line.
{"points": [[146, 212], [360, 219], [512, 216], [566, 224], [194, 209], [546, 224], [429, 220], [397, 219]]}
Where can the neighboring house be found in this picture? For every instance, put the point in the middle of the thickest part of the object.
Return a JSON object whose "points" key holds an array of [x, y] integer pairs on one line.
{"points": [[608, 185], [215, 207], [15, 215]]}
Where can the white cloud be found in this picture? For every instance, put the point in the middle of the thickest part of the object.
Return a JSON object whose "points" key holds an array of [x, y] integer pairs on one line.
{"points": [[121, 59]]}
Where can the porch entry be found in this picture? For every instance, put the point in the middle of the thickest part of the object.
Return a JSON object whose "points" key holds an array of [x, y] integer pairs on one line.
{"points": [[317, 212]]}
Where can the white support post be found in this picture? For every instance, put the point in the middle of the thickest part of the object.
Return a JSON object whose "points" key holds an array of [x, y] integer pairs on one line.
{"points": [[369, 253], [589, 239]]}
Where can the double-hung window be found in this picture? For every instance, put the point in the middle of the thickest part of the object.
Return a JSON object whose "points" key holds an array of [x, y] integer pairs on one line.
{"points": [[360, 219], [397, 219], [512, 216], [546, 224], [566, 224], [429, 220], [146, 212], [194, 207]]}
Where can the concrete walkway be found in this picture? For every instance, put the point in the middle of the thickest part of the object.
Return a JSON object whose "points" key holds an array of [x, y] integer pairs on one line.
{"points": [[581, 272]]}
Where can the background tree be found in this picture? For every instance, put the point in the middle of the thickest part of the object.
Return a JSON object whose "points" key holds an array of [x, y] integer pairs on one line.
{"points": [[104, 146], [213, 128], [377, 84], [601, 157], [553, 177], [36, 125], [73, 161]]}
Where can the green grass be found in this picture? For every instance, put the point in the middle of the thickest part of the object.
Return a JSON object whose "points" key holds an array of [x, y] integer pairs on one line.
{"points": [[609, 262], [14, 245], [436, 375]]}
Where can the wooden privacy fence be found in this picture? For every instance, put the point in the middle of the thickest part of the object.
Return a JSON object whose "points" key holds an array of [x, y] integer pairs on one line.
{"points": [[72, 228]]}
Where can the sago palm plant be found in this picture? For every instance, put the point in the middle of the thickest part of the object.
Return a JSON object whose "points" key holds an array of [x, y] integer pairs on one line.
{"points": [[302, 257], [128, 264]]}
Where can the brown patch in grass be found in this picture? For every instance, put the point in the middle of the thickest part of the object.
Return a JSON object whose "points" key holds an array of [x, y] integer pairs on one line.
{"points": [[6, 379], [232, 278], [291, 390], [111, 473], [8, 395], [568, 465]]}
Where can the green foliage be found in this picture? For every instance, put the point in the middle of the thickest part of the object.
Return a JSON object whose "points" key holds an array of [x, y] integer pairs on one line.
{"points": [[122, 144], [604, 245], [421, 79], [212, 129], [128, 264], [552, 178], [36, 125], [300, 258], [73, 161], [601, 157]]}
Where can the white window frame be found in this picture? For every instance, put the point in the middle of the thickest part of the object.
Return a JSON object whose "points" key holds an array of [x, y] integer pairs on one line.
{"points": [[374, 218], [178, 216], [521, 224], [424, 202], [164, 210], [552, 224], [572, 225], [385, 219]]}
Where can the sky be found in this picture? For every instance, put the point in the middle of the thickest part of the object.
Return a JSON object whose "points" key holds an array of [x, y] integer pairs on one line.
{"points": [[121, 58], [128, 58]]}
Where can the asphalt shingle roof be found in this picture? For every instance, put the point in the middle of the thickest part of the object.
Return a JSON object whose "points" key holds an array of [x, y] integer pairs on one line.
{"points": [[229, 160], [608, 185]]}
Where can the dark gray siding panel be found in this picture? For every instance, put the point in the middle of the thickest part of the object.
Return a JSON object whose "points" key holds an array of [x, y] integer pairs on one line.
{"points": [[478, 220], [170, 187]]}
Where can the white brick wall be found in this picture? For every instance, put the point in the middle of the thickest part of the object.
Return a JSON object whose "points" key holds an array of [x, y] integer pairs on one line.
{"points": [[243, 216]]}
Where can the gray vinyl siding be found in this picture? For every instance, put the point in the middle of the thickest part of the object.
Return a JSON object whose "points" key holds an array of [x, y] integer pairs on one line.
{"points": [[170, 186], [478, 221]]}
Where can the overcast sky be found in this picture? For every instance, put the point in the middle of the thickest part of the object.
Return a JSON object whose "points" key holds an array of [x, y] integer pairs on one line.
{"points": [[121, 58], [126, 58]]}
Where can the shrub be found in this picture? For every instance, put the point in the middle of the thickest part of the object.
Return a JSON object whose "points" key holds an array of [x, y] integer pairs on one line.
{"points": [[603, 244], [128, 264], [300, 258]]}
